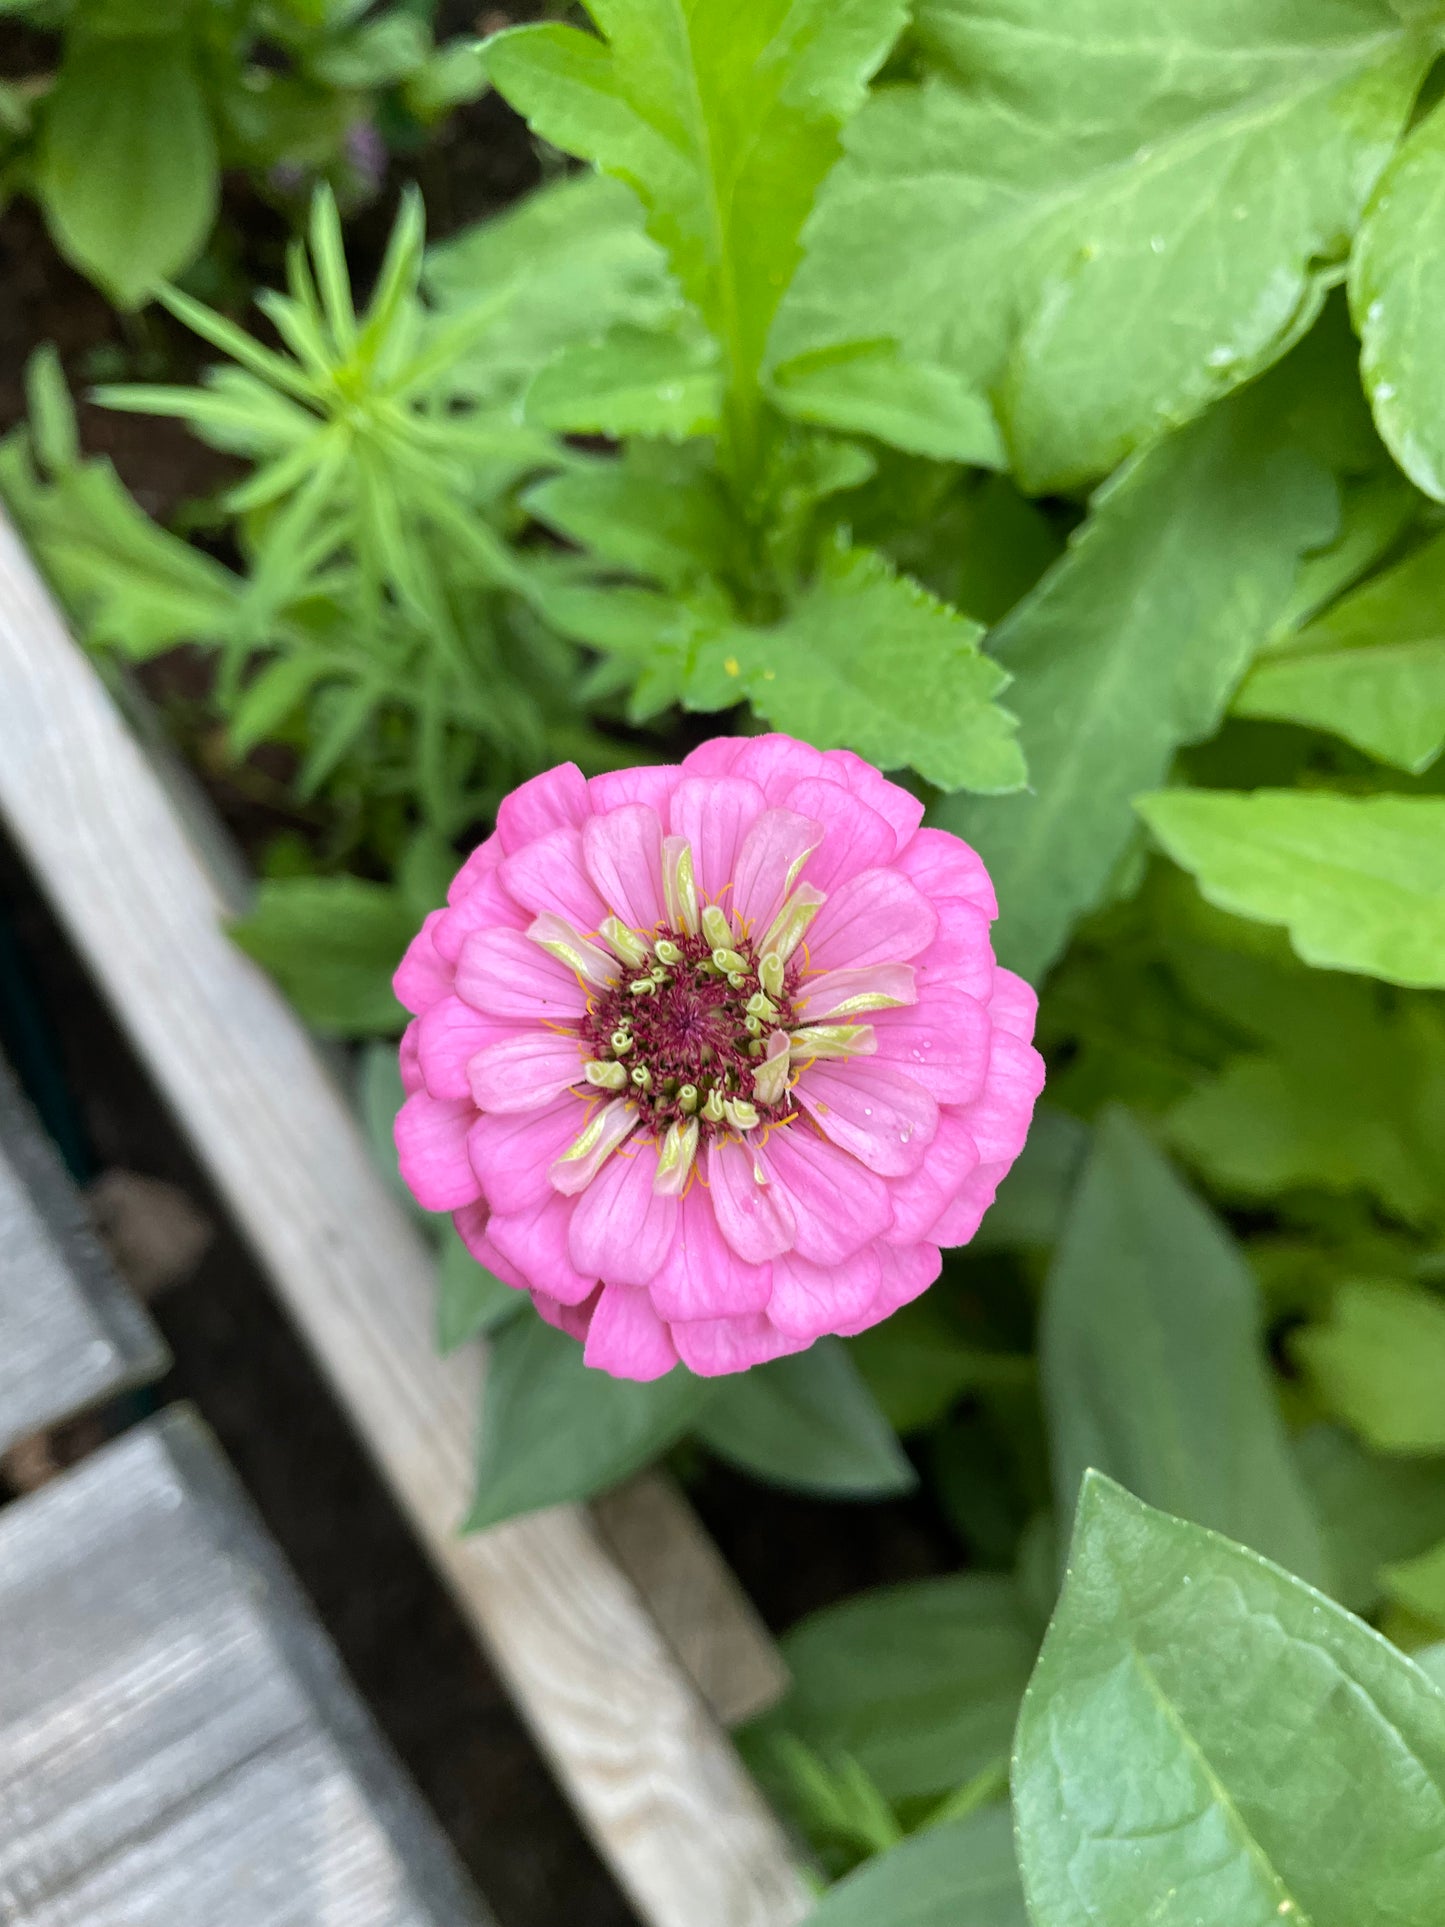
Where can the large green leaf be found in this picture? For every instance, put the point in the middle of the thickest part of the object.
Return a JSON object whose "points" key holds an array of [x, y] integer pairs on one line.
{"points": [[552, 1430], [1106, 213], [963, 1874], [868, 388], [629, 381], [1379, 1364], [1372, 669], [332, 943], [868, 660], [127, 172], [1208, 1742], [1152, 1358], [724, 119], [470, 1300], [1131, 645], [1397, 292], [1358, 880], [920, 1683], [808, 1421], [1375, 1511]]}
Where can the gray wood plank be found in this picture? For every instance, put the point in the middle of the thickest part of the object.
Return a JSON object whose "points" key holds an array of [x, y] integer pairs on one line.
{"points": [[70, 1332], [179, 1746]]}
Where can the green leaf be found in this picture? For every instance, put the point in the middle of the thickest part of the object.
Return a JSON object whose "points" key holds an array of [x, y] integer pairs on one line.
{"points": [[1397, 294], [1131, 645], [629, 382], [553, 1431], [1419, 1584], [724, 121], [1102, 217], [869, 388], [332, 943], [807, 1421], [1033, 1198], [961, 1875], [919, 1683], [917, 1366], [1358, 880], [869, 661], [1209, 1742], [1374, 1511], [1431, 1662], [654, 512], [1379, 1364], [1152, 1358], [470, 1300], [1372, 669], [127, 169]]}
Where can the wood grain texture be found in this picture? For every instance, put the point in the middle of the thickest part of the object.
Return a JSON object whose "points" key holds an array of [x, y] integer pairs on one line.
{"points": [[178, 1742], [70, 1332], [656, 1781]]}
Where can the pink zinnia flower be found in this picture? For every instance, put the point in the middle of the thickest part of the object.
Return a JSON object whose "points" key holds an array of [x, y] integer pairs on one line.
{"points": [[713, 1058]]}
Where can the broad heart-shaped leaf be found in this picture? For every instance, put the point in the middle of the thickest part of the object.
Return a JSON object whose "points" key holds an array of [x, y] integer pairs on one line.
{"points": [[723, 118], [128, 174], [1371, 669], [1397, 292], [963, 1874], [1129, 646], [1209, 1742], [1358, 880], [1375, 1511], [332, 944], [919, 1683], [554, 1431], [1105, 214], [869, 388], [807, 1421], [1379, 1364], [868, 660], [629, 382], [1152, 1358]]}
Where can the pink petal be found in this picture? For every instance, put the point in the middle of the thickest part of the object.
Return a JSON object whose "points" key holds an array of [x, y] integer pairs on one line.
{"points": [[998, 1119], [431, 1149], [715, 813], [549, 802], [854, 837], [535, 1244], [874, 1110], [511, 1152], [943, 865], [768, 863], [448, 1038], [1014, 1005], [943, 1042], [752, 1213], [572, 1319], [818, 998], [906, 1273], [715, 757], [526, 1070], [502, 973], [809, 1299], [485, 907], [605, 1128], [482, 861], [961, 955], [775, 763], [958, 1221], [471, 1224], [411, 1077], [836, 1204], [875, 917], [623, 852], [896, 805], [423, 977], [549, 875], [621, 1228], [713, 1346], [702, 1276], [917, 1200], [651, 783], [626, 1336]]}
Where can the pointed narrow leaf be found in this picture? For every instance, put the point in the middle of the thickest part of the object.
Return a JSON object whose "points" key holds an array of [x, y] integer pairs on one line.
{"points": [[964, 1874]]}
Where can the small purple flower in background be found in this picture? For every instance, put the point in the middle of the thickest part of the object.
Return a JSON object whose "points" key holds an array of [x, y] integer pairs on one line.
{"points": [[712, 1058]]}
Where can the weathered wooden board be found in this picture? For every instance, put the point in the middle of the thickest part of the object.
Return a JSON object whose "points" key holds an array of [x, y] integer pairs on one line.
{"points": [[657, 1782], [178, 1743], [70, 1333]]}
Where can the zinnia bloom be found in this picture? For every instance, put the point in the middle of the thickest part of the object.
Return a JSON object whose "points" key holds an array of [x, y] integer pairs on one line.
{"points": [[713, 1058]]}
